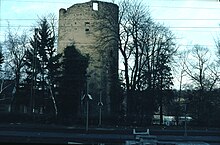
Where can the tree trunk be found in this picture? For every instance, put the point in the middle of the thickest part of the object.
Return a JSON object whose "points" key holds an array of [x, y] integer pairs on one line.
{"points": [[54, 101]]}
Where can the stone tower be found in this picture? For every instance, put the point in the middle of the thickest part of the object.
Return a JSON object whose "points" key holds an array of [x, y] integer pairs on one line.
{"points": [[93, 28]]}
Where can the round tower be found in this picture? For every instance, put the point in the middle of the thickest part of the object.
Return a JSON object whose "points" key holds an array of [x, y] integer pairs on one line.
{"points": [[93, 28]]}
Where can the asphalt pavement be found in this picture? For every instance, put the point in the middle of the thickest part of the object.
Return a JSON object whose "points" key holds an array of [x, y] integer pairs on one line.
{"points": [[58, 134]]}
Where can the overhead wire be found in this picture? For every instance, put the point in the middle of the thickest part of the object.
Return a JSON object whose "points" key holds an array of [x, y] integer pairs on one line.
{"points": [[33, 1], [175, 28], [164, 19], [172, 27], [175, 7], [161, 6]]}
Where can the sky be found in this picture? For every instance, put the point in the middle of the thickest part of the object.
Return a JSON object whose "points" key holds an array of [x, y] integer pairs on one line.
{"points": [[191, 21]]}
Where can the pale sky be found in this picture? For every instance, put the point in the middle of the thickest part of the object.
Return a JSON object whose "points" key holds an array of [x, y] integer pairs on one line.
{"points": [[192, 21]]}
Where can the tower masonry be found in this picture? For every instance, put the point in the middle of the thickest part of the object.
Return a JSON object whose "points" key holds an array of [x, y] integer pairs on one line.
{"points": [[93, 28]]}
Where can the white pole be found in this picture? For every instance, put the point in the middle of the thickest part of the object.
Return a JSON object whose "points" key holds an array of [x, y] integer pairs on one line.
{"points": [[100, 109], [100, 116], [87, 114], [87, 106], [185, 132]]}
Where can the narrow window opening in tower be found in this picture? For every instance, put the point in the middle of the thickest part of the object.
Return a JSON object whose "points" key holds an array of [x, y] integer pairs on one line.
{"points": [[87, 27], [95, 6]]}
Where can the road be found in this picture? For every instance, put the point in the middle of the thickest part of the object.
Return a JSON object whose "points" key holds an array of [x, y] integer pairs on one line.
{"points": [[29, 133]]}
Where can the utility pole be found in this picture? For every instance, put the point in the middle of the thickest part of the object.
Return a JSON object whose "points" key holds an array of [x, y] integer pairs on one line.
{"points": [[33, 81]]}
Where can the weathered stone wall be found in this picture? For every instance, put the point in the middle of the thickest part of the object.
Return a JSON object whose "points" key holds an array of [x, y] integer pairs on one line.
{"points": [[93, 28]]}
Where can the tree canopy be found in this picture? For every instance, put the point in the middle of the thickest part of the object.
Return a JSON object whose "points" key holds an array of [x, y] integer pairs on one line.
{"points": [[73, 80]]}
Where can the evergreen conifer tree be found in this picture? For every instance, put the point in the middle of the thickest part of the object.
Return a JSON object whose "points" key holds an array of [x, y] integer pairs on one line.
{"points": [[73, 81], [43, 68]]}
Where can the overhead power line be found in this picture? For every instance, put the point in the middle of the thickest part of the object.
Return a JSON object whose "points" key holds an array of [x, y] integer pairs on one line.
{"points": [[173, 27], [194, 27], [52, 1], [161, 19], [160, 6], [176, 7], [185, 19], [33, 1]]}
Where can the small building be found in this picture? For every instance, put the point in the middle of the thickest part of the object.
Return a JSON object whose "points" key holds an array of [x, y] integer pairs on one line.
{"points": [[170, 120]]}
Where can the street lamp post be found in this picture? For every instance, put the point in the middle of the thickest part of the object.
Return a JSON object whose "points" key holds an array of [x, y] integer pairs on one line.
{"points": [[87, 115], [87, 97], [100, 104]]}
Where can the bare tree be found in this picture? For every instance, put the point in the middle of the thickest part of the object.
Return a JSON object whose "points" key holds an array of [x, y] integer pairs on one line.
{"points": [[180, 76], [198, 66], [16, 44], [146, 49], [204, 75]]}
